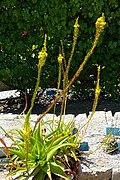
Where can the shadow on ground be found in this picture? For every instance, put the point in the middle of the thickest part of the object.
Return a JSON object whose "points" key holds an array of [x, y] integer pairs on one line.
{"points": [[16, 106]]}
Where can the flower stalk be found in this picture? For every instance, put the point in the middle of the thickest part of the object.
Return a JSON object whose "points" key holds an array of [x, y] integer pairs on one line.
{"points": [[100, 25], [42, 55]]}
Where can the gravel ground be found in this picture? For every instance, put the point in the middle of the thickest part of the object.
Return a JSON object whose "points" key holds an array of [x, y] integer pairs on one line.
{"points": [[16, 106]]}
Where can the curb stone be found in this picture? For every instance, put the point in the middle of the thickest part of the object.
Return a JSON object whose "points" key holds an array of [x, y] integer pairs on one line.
{"points": [[116, 174], [9, 94], [98, 175]]}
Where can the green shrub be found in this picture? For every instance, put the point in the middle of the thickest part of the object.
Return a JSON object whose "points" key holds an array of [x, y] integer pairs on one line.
{"points": [[25, 22]]}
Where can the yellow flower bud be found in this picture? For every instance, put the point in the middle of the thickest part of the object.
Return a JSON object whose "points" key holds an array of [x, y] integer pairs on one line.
{"points": [[60, 58], [42, 55], [100, 23], [76, 25], [76, 29], [97, 92]]}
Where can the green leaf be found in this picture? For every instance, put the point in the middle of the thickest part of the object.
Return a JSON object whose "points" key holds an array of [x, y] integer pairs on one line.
{"points": [[51, 134], [34, 47], [40, 149], [37, 170], [47, 170], [60, 140], [40, 175], [74, 155], [58, 170], [54, 149], [20, 154], [16, 172], [39, 133], [39, 140], [42, 162], [57, 140], [34, 1]]}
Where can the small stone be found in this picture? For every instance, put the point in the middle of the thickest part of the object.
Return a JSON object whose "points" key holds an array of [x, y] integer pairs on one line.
{"points": [[117, 116], [116, 174], [98, 175]]}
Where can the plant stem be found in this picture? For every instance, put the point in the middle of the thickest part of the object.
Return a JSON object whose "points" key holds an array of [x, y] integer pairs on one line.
{"points": [[76, 75]]}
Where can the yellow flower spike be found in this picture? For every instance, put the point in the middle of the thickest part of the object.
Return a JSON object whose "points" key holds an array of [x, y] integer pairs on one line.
{"points": [[60, 58], [75, 37], [100, 23], [76, 25], [42, 55], [76, 28], [45, 42], [97, 91]]}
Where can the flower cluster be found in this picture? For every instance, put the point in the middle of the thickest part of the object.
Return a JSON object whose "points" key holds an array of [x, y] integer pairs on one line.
{"points": [[60, 58], [76, 28], [42, 55], [100, 23]]}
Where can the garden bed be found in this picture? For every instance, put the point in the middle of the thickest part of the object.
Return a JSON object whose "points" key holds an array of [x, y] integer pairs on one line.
{"points": [[98, 165]]}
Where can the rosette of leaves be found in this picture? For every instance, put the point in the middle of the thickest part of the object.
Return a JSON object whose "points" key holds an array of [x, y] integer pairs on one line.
{"points": [[46, 153]]}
